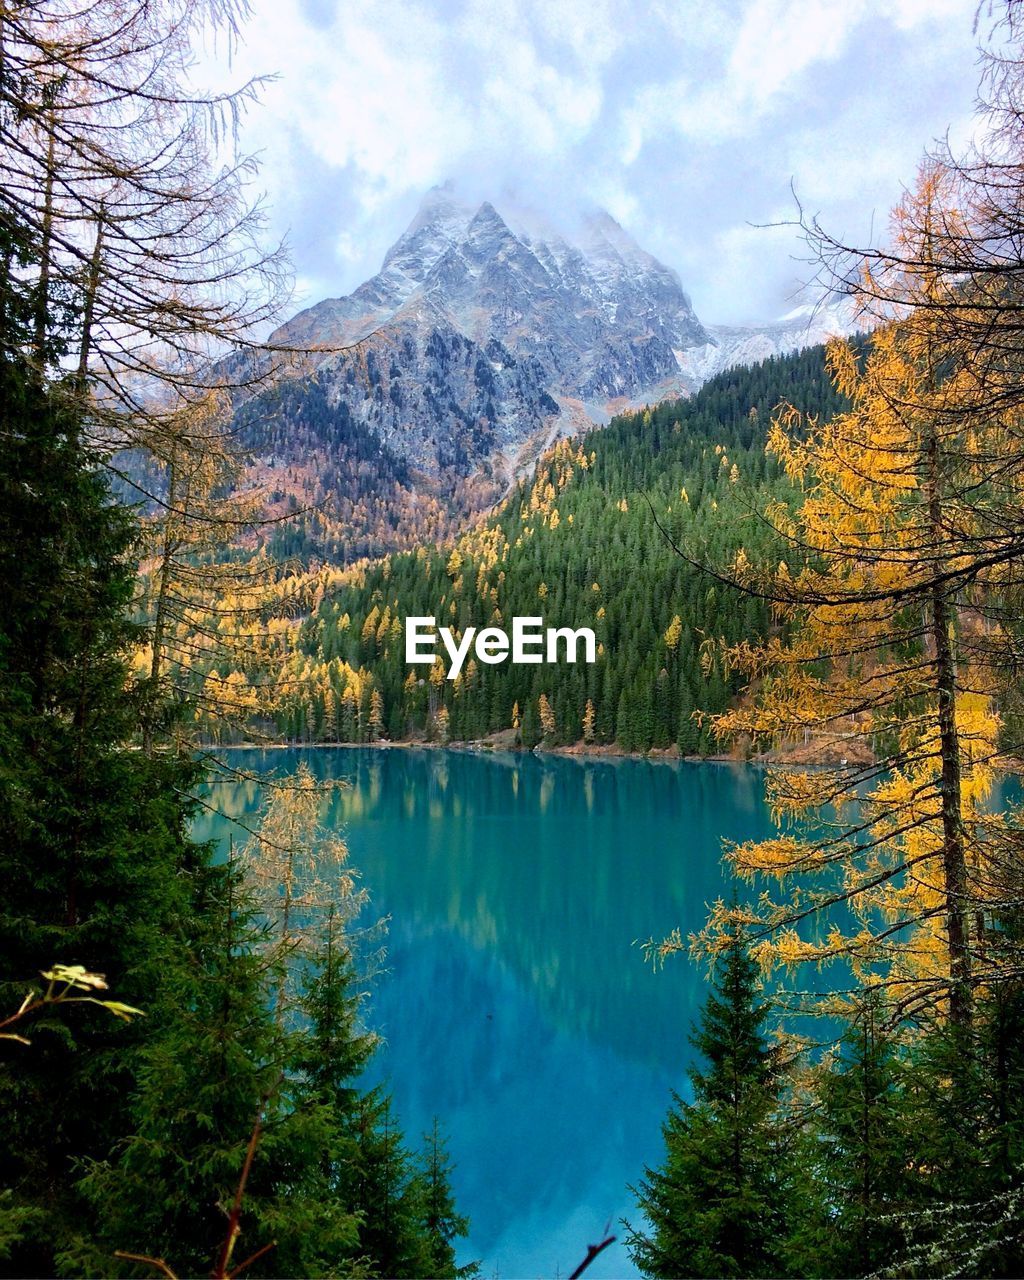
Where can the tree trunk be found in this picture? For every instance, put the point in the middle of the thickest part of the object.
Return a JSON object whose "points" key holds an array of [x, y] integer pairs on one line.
{"points": [[91, 285], [954, 859], [42, 308], [163, 569]]}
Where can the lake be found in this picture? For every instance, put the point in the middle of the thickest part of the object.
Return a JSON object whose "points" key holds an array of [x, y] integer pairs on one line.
{"points": [[516, 1004]]}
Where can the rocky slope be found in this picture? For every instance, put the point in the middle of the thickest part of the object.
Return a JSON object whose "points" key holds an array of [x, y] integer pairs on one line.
{"points": [[732, 345], [482, 338], [474, 337]]}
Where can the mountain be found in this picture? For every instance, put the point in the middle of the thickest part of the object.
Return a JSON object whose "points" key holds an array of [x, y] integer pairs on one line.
{"points": [[808, 325], [475, 336], [482, 339]]}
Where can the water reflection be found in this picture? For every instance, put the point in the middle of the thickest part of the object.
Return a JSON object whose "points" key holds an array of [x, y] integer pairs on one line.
{"points": [[516, 1003]]}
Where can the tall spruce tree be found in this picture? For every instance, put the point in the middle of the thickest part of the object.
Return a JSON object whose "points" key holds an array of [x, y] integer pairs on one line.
{"points": [[207, 1084], [441, 1220], [332, 1188], [966, 1098], [403, 1211], [859, 1155], [95, 860], [719, 1204], [133, 1138]]}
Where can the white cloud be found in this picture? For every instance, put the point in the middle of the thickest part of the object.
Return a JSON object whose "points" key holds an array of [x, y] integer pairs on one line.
{"points": [[686, 120], [779, 39], [764, 255], [765, 58], [594, 31]]}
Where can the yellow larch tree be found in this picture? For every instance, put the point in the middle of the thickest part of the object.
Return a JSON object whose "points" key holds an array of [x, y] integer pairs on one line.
{"points": [[300, 868], [589, 720], [375, 724], [546, 715], [206, 605], [885, 669]]}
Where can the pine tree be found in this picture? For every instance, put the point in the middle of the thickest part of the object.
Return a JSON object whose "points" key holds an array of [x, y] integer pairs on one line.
{"points": [[625, 723], [375, 724], [404, 1214], [441, 1221], [546, 717], [529, 731], [912, 507], [718, 1206], [859, 1154], [97, 865], [688, 734], [204, 1082], [967, 1117], [589, 718], [386, 1190]]}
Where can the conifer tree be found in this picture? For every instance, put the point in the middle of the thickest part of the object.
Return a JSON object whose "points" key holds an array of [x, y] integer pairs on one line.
{"points": [[387, 1192], [97, 866], [967, 1116], [859, 1154], [375, 724], [441, 1221], [877, 656], [589, 716], [404, 1213], [206, 1082], [719, 1204]]}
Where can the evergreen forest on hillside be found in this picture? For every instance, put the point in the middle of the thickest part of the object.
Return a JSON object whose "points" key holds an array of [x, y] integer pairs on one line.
{"points": [[180, 1058], [580, 545]]}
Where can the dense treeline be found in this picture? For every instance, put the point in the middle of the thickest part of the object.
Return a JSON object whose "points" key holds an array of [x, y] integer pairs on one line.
{"points": [[133, 1138], [899, 1151], [897, 1154], [580, 545], [208, 1117], [212, 1119], [351, 495]]}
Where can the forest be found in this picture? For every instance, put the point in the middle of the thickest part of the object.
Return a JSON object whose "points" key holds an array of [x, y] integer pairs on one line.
{"points": [[822, 549], [592, 530]]}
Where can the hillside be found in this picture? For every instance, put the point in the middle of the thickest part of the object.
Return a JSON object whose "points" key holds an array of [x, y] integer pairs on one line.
{"points": [[579, 545]]}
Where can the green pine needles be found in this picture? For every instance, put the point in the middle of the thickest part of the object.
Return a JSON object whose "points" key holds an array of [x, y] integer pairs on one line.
{"points": [[719, 1205], [222, 1130], [899, 1153]]}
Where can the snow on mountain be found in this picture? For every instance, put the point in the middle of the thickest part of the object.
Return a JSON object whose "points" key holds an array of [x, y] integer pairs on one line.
{"points": [[807, 325], [488, 332], [589, 320]]}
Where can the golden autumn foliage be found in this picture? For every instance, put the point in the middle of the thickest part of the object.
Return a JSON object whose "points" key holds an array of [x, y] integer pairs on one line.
{"points": [[260, 677], [885, 669], [673, 633], [299, 863]]}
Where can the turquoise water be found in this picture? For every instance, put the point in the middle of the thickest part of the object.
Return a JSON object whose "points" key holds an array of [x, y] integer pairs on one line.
{"points": [[516, 1004]]}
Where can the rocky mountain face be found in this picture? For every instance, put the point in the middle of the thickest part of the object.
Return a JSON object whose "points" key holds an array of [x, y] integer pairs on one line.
{"points": [[475, 337], [481, 339]]}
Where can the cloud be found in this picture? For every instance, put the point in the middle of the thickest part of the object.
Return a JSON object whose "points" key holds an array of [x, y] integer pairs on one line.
{"points": [[779, 39], [687, 120]]}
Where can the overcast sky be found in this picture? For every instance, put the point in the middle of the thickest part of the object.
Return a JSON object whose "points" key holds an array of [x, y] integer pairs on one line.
{"points": [[687, 120]]}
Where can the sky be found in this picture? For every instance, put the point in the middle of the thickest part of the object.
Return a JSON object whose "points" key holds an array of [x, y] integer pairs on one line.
{"points": [[690, 121]]}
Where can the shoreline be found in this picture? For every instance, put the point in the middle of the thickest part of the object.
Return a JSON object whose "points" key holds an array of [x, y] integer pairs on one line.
{"points": [[600, 751], [1010, 766]]}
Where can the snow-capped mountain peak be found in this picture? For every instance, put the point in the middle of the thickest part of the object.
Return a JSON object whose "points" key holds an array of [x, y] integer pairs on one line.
{"points": [[488, 331]]}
